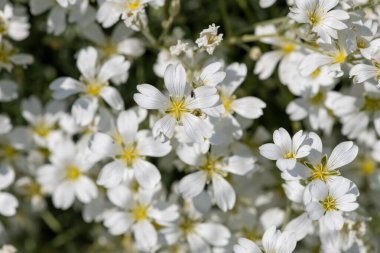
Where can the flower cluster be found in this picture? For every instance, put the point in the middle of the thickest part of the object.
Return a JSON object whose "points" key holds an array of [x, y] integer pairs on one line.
{"points": [[121, 133]]}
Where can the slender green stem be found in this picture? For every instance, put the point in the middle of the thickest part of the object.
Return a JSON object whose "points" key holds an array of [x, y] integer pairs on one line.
{"points": [[227, 25]]}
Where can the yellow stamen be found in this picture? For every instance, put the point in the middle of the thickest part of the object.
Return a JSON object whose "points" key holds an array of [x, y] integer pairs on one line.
{"points": [[133, 5], [9, 151], [368, 167], [289, 155], [371, 104], [177, 108], [317, 99], [314, 18], [288, 48], [42, 129], [227, 103], [140, 212], [329, 203], [315, 73], [339, 57], [72, 172], [187, 226], [129, 155], [94, 89]]}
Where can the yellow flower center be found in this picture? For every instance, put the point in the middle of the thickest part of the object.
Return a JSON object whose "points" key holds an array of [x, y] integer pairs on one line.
{"points": [[133, 5], [129, 155], [42, 129], [339, 57], [3, 25], [318, 98], [314, 18], [289, 155], [315, 73], [371, 104], [34, 189], [227, 103], [9, 151], [94, 89], [187, 226], [329, 203], [109, 49], [6, 52], [377, 65], [288, 48], [368, 167], [72, 172], [177, 108], [361, 43], [140, 212]]}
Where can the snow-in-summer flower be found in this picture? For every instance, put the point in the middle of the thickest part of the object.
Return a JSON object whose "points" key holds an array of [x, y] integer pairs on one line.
{"points": [[93, 85], [181, 107], [129, 149], [286, 150]]}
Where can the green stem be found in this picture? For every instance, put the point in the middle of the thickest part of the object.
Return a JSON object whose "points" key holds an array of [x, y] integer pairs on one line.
{"points": [[227, 25], [51, 221]]}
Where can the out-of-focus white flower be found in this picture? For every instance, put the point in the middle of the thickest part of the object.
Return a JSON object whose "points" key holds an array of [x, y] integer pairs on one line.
{"points": [[8, 90], [209, 39], [15, 27], [273, 241], [320, 15], [363, 72], [8, 249], [139, 214], [65, 178], [8, 202], [213, 167], [200, 236], [129, 11], [179, 48], [10, 56], [93, 83], [330, 199], [286, 150], [5, 124], [42, 120], [181, 107]]}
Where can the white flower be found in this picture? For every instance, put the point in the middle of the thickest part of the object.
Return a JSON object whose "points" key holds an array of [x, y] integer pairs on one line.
{"points": [[16, 27], [10, 56], [120, 42], [363, 72], [209, 39], [42, 120], [8, 90], [179, 48], [5, 124], [286, 150], [212, 169], [8, 202], [8, 249], [248, 107], [330, 200], [273, 241], [314, 107], [94, 83], [319, 14], [358, 112], [200, 236], [139, 214], [66, 176], [322, 167], [129, 10], [181, 107], [78, 12], [129, 148]]}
